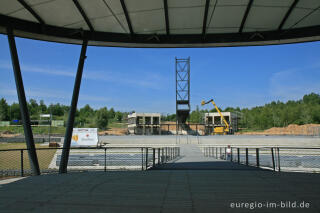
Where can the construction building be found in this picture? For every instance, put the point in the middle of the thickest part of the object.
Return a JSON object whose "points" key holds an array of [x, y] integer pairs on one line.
{"points": [[213, 119], [144, 123]]}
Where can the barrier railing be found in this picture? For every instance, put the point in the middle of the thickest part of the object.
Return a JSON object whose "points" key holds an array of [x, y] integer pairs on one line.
{"points": [[305, 159], [15, 162]]}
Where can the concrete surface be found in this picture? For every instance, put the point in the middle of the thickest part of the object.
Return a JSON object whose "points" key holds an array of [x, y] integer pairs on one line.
{"points": [[161, 191], [234, 140]]}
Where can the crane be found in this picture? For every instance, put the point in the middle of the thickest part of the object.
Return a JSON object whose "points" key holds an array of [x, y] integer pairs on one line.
{"points": [[222, 129]]}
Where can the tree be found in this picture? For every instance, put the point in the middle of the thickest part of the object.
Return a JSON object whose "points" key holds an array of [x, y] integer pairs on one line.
{"points": [[15, 112], [102, 118], [4, 110], [42, 107], [112, 113], [118, 116], [33, 109]]}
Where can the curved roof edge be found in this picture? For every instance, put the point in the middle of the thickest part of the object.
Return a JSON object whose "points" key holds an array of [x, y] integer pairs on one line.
{"points": [[32, 30]]}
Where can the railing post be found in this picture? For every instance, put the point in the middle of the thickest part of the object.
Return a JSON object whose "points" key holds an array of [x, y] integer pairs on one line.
{"points": [[146, 158], [279, 168], [142, 159], [158, 156], [166, 154], [220, 149], [225, 153], [105, 159], [154, 157], [273, 163], [21, 163], [247, 156], [257, 157], [231, 154], [216, 152], [238, 152]]}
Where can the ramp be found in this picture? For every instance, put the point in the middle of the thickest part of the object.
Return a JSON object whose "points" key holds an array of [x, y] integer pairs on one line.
{"points": [[191, 158]]}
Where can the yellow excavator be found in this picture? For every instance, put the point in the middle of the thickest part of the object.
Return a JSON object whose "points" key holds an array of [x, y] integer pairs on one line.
{"points": [[220, 129]]}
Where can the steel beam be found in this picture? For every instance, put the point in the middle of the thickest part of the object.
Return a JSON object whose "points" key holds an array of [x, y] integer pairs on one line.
{"points": [[127, 16], [73, 109], [293, 5], [166, 15], [23, 104], [84, 15], [205, 18], [35, 15], [245, 16], [62, 34]]}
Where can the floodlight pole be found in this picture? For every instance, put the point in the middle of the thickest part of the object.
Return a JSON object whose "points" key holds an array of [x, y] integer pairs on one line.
{"points": [[34, 164], [72, 111]]}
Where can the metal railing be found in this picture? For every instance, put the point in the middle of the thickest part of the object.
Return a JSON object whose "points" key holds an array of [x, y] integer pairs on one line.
{"points": [[15, 162], [304, 159]]}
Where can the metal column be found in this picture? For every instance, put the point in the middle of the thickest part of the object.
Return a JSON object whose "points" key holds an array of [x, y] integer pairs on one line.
{"points": [[34, 164], [72, 111]]}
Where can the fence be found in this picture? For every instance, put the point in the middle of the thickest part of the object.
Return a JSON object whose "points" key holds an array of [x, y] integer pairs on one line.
{"points": [[15, 162], [306, 159]]}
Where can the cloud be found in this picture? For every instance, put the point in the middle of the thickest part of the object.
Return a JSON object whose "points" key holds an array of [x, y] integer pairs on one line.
{"points": [[294, 83], [38, 93], [140, 79]]}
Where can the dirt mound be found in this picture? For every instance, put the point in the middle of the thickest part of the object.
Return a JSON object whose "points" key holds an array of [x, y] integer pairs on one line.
{"points": [[292, 129], [114, 131], [8, 134]]}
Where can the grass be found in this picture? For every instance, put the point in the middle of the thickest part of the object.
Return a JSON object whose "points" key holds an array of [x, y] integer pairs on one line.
{"points": [[35, 129], [11, 160], [43, 130]]}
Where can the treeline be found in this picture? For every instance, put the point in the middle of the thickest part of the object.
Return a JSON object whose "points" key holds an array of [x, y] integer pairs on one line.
{"points": [[85, 116], [274, 114]]}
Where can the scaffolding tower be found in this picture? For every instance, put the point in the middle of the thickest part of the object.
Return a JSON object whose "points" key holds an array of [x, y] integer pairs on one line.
{"points": [[182, 93]]}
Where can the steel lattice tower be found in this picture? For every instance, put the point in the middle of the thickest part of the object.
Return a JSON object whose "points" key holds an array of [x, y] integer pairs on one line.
{"points": [[182, 92]]}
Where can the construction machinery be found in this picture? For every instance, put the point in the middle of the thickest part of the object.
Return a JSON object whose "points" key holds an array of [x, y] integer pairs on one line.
{"points": [[220, 128]]}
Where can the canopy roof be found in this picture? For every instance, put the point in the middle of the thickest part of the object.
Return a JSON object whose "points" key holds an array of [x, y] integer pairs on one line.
{"points": [[164, 23]]}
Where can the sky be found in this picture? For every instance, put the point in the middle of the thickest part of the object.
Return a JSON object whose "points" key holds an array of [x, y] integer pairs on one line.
{"points": [[143, 80]]}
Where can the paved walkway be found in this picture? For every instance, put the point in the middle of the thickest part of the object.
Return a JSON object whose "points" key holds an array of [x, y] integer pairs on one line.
{"points": [[161, 191], [191, 158]]}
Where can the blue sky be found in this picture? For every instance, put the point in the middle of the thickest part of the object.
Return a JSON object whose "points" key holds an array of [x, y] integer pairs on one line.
{"points": [[144, 79]]}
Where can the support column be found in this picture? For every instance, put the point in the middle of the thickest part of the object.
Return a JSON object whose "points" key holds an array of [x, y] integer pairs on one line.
{"points": [[72, 111], [34, 164]]}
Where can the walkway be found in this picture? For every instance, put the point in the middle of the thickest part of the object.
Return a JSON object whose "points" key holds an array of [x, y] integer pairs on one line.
{"points": [[191, 158], [161, 191]]}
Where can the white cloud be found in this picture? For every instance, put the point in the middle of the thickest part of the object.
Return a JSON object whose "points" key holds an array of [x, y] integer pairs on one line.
{"points": [[294, 83], [44, 94], [144, 79]]}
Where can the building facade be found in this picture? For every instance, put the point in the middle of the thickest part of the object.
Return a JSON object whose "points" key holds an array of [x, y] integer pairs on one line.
{"points": [[144, 123], [213, 119]]}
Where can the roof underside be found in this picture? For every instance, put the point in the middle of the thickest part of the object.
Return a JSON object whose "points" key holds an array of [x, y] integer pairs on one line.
{"points": [[164, 23]]}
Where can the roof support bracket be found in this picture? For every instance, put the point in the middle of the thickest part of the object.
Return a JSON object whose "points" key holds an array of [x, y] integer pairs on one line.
{"points": [[166, 15], [84, 15], [205, 18], [127, 16], [245, 16]]}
